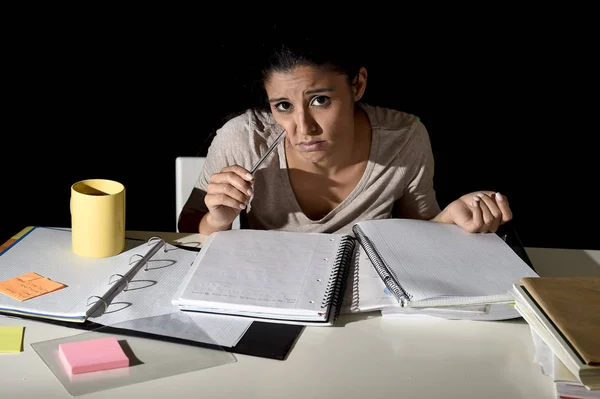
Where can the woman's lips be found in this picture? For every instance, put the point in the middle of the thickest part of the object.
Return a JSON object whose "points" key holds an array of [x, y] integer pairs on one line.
{"points": [[312, 145]]}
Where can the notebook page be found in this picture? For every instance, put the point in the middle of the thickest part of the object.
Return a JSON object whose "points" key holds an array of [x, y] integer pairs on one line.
{"points": [[146, 304], [48, 252], [489, 312], [442, 261], [366, 291], [268, 271], [373, 294]]}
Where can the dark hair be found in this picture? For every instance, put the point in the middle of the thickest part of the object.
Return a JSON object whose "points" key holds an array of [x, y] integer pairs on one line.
{"points": [[335, 57]]}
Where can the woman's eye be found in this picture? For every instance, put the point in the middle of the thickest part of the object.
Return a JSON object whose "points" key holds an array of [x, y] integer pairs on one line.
{"points": [[283, 106], [320, 100]]}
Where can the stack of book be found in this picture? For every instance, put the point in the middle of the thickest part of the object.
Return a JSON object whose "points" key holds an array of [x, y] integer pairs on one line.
{"points": [[564, 316]]}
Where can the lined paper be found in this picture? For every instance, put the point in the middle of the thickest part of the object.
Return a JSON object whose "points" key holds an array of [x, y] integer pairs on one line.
{"points": [[146, 304], [366, 291], [443, 264], [271, 272]]}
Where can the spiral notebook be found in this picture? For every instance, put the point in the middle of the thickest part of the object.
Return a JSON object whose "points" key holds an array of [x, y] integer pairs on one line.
{"points": [[276, 276], [426, 264]]}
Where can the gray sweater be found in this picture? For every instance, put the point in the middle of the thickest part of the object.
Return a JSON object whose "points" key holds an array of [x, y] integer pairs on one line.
{"points": [[397, 182]]}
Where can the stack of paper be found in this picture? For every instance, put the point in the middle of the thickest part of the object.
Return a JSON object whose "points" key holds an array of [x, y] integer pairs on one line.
{"points": [[566, 384], [367, 292], [274, 276], [564, 312], [436, 269]]}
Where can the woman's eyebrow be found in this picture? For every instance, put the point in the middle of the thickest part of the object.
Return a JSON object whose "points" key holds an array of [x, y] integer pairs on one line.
{"points": [[276, 100], [316, 91], [307, 92]]}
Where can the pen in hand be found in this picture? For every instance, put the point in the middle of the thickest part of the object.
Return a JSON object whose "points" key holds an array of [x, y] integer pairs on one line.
{"points": [[266, 154]]}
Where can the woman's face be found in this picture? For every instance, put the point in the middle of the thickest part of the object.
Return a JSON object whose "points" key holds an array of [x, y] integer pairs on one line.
{"points": [[316, 108]]}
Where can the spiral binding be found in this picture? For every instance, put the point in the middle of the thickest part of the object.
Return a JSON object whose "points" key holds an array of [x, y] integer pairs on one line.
{"points": [[385, 272], [336, 286], [124, 279], [355, 298]]}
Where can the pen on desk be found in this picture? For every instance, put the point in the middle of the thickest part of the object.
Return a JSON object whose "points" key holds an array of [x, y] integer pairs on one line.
{"points": [[266, 154]]}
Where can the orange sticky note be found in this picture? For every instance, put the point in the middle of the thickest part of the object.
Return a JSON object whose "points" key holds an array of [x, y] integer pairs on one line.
{"points": [[28, 286]]}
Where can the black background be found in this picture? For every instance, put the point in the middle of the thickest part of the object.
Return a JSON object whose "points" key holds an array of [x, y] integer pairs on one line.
{"points": [[89, 98]]}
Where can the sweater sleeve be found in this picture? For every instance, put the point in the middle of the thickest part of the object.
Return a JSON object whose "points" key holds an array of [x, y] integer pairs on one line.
{"points": [[230, 146], [419, 200]]}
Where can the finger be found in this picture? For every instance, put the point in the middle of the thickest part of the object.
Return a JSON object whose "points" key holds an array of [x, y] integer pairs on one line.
{"points": [[242, 172], [495, 211], [477, 218], [227, 190], [502, 202], [486, 216], [233, 178], [214, 201]]}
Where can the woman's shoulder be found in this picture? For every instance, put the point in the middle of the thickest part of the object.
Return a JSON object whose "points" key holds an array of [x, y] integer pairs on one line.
{"points": [[243, 137], [252, 123], [398, 130], [385, 118]]}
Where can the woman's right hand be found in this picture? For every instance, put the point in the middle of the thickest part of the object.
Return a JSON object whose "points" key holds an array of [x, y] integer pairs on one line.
{"points": [[227, 194]]}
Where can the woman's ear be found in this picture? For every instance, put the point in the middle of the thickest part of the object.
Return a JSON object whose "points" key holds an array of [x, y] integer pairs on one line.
{"points": [[360, 84]]}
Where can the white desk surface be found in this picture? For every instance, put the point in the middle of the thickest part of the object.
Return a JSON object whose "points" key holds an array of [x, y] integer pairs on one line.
{"points": [[363, 356]]}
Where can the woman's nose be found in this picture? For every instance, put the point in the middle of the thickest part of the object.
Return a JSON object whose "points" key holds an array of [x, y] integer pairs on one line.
{"points": [[305, 124]]}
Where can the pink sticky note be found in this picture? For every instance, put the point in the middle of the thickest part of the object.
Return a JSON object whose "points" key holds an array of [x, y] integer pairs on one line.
{"points": [[92, 355]]}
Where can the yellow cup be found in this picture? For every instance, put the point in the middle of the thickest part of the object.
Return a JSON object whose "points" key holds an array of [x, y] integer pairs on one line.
{"points": [[98, 218]]}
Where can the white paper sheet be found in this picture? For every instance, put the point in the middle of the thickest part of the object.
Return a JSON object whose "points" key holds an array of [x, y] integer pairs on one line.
{"points": [[265, 272], [146, 304], [441, 264]]}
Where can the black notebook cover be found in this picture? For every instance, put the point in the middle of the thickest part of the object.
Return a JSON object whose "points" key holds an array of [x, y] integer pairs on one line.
{"points": [[262, 339], [509, 234]]}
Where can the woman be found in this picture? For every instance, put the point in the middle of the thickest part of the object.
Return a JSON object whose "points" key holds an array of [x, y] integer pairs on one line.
{"points": [[340, 161]]}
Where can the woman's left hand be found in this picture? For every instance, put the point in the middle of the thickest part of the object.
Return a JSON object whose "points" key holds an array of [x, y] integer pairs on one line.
{"points": [[478, 212]]}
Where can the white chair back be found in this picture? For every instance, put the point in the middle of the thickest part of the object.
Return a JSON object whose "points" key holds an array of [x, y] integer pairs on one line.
{"points": [[187, 171]]}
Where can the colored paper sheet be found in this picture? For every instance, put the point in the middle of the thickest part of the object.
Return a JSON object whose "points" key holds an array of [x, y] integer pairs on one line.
{"points": [[11, 339], [28, 286]]}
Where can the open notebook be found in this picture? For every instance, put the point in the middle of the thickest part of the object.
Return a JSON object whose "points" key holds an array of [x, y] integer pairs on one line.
{"points": [[84, 284], [434, 267], [130, 291], [277, 276], [129, 294]]}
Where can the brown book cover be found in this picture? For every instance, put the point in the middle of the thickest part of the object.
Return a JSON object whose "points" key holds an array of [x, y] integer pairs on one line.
{"points": [[573, 305]]}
